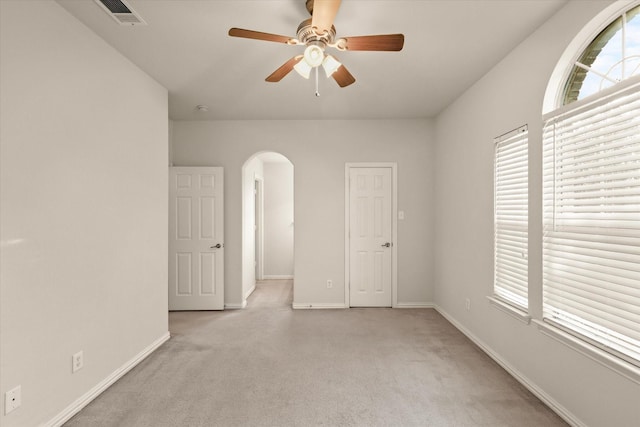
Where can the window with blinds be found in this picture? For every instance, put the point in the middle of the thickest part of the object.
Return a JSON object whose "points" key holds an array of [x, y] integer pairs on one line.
{"points": [[511, 218], [591, 246]]}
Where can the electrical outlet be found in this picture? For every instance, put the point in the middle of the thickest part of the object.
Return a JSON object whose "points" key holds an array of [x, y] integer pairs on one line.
{"points": [[77, 362], [467, 304], [12, 400], [329, 284]]}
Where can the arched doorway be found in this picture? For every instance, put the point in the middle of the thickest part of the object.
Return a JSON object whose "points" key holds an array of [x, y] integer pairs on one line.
{"points": [[267, 220]]}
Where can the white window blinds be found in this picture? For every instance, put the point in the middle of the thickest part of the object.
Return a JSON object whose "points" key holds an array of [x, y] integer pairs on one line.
{"points": [[511, 219], [591, 247]]}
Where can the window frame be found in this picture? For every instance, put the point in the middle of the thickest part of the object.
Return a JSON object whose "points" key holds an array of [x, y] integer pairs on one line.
{"points": [[581, 65]]}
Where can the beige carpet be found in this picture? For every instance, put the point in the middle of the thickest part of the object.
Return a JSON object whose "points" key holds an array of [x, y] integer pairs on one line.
{"points": [[269, 365]]}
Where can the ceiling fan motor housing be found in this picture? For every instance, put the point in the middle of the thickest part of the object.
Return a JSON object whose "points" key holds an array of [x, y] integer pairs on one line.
{"points": [[307, 35]]}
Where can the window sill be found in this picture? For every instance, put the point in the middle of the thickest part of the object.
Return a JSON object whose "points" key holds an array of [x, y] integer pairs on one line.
{"points": [[617, 365], [512, 311]]}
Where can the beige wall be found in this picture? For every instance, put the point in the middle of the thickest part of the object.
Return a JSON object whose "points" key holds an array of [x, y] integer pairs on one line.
{"points": [[278, 219], [319, 151], [507, 97], [83, 207]]}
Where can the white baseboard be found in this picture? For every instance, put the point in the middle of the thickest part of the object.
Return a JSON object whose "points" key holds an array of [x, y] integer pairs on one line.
{"points": [[414, 305], [85, 399], [277, 277], [249, 292], [526, 382], [235, 306], [307, 306]]}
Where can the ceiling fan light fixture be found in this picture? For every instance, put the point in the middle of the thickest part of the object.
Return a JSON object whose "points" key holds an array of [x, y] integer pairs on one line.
{"points": [[330, 65], [313, 55], [303, 69]]}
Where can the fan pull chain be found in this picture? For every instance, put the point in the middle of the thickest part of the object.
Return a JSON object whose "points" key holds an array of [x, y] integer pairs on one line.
{"points": [[317, 91]]}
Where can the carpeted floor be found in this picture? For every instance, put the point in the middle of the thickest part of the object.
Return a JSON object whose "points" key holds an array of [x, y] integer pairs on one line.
{"points": [[268, 365]]}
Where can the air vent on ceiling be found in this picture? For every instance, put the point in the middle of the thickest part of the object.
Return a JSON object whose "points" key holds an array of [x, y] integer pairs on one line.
{"points": [[121, 12]]}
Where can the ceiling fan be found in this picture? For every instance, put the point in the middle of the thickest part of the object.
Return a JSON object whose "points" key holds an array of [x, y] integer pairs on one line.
{"points": [[317, 34]]}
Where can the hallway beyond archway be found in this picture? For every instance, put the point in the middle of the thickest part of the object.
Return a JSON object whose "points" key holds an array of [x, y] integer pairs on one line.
{"points": [[267, 220]]}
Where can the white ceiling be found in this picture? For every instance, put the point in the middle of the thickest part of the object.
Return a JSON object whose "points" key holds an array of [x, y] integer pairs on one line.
{"points": [[449, 44]]}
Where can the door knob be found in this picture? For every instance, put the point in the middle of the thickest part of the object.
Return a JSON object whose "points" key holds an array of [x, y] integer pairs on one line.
{"points": [[218, 246], [386, 245]]}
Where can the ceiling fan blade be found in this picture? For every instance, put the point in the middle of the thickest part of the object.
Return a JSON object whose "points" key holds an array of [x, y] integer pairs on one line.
{"points": [[324, 13], [257, 35], [285, 69], [343, 77], [381, 42]]}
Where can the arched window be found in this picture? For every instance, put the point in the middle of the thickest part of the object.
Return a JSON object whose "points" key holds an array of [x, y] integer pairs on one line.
{"points": [[591, 195], [613, 56]]}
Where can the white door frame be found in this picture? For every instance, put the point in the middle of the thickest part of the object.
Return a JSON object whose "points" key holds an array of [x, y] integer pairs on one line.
{"points": [[394, 227], [259, 231]]}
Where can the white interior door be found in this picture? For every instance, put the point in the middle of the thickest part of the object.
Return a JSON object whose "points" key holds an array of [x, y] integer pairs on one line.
{"points": [[370, 241], [196, 238]]}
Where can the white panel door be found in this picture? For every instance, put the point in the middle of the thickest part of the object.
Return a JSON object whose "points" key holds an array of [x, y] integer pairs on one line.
{"points": [[371, 246], [196, 240]]}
